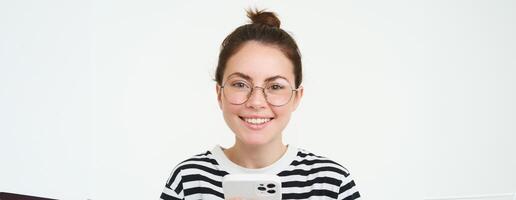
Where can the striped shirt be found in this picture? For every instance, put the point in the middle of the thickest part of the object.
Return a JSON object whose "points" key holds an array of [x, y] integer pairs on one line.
{"points": [[303, 176]]}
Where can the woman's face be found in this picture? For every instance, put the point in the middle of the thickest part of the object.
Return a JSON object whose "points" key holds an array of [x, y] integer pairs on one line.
{"points": [[257, 122]]}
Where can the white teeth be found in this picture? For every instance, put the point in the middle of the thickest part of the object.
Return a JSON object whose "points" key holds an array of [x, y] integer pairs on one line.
{"points": [[257, 120]]}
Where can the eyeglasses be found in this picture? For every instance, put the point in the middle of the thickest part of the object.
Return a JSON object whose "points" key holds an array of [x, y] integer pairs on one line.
{"points": [[238, 90]]}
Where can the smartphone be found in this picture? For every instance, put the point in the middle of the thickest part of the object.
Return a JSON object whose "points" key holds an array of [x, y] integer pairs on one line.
{"points": [[251, 187]]}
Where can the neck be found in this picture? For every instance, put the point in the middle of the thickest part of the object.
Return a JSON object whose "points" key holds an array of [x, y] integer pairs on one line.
{"points": [[255, 157]]}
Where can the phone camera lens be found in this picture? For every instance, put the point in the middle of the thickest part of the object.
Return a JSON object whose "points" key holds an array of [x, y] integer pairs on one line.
{"points": [[271, 191], [262, 188], [270, 185]]}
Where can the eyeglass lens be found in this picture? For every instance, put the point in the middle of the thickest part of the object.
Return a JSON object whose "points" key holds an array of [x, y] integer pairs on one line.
{"points": [[277, 92]]}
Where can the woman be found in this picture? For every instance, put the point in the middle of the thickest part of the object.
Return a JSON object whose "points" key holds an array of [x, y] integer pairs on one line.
{"points": [[258, 87]]}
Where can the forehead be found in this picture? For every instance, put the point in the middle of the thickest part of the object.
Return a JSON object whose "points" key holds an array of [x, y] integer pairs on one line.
{"points": [[259, 62]]}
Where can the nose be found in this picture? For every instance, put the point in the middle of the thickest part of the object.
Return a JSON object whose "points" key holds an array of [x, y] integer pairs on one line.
{"points": [[257, 98]]}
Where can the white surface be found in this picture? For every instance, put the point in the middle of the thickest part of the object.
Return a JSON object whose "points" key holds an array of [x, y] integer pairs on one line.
{"points": [[504, 196], [102, 99]]}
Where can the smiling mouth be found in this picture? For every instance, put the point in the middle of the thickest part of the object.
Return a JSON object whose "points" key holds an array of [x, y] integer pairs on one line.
{"points": [[256, 121]]}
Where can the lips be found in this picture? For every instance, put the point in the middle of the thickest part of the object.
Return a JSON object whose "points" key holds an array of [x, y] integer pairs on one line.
{"points": [[255, 122]]}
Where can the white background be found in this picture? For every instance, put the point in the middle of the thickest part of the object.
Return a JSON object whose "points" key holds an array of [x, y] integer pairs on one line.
{"points": [[101, 99]]}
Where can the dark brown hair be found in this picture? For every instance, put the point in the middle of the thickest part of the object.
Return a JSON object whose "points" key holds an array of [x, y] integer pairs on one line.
{"points": [[264, 28]]}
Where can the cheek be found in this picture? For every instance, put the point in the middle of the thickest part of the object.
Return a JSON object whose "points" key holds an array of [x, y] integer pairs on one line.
{"points": [[283, 111], [282, 117], [229, 110]]}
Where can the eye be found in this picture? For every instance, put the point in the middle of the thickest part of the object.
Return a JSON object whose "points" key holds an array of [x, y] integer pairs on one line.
{"points": [[239, 84], [276, 87]]}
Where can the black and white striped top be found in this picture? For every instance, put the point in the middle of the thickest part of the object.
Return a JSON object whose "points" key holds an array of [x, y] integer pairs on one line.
{"points": [[303, 176]]}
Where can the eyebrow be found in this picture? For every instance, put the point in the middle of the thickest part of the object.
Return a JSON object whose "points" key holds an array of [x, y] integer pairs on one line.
{"points": [[241, 75], [247, 77]]}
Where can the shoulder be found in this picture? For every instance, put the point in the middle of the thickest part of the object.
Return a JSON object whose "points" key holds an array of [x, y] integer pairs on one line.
{"points": [[318, 163], [198, 168], [205, 158], [199, 164], [309, 170]]}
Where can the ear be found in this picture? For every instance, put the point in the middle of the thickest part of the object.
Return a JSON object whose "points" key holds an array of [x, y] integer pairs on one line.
{"points": [[297, 97], [219, 94]]}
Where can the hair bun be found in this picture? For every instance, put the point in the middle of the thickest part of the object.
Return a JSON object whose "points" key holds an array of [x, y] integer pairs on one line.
{"points": [[263, 17]]}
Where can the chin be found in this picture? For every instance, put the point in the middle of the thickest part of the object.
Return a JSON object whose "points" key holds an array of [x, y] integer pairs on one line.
{"points": [[255, 139]]}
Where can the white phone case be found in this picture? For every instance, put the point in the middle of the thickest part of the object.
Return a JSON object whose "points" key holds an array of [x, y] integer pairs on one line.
{"points": [[252, 186]]}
